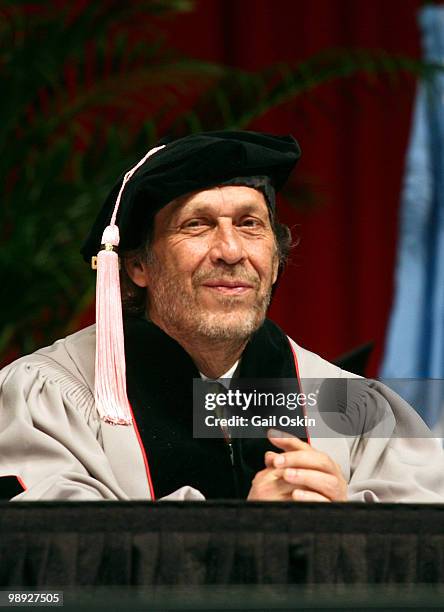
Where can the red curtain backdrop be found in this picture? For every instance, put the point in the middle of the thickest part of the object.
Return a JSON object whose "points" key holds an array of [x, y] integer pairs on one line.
{"points": [[338, 290]]}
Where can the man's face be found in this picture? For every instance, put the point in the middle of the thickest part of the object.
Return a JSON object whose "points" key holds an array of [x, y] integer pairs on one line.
{"points": [[214, 261]]}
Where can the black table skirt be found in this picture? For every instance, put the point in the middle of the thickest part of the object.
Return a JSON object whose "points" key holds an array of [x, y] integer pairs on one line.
{"points": [[46, 544]]}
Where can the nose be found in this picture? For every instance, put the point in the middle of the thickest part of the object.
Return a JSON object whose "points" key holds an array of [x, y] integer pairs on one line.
{"points": [[226, 244]]}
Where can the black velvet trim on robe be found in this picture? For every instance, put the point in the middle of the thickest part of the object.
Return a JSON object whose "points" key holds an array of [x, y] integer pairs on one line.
{"points": [[160, 389], [10, 486]]}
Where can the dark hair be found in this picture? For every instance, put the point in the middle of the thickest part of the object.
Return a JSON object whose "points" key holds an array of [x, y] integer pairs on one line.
{"points": [[134, 297]]}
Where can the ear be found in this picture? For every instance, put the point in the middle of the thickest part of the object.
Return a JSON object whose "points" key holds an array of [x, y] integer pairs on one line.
{"points": [[275, 268], [137, 271]]}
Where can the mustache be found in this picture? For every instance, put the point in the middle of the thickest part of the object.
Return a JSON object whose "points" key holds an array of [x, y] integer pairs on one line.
{"points": [[228, 274]]}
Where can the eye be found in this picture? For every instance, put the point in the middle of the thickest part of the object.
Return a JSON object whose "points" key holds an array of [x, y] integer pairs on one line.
{"points": [[250, 222], [195, 223]]}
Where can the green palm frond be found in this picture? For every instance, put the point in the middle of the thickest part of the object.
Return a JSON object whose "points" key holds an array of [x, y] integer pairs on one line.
{"points": [[238, 98], [55, 73]]}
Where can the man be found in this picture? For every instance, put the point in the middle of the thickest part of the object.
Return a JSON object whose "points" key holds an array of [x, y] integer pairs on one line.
{"points": [[201, 251]]}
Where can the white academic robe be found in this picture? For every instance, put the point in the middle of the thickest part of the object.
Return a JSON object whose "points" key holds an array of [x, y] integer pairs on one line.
{"points": [[52, 439]]}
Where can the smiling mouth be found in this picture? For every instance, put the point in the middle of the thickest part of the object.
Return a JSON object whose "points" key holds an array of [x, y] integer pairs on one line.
{"points": [[228, 287]]}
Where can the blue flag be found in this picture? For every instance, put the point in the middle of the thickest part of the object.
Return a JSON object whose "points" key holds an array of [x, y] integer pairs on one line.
{"points": [[415, 340]]}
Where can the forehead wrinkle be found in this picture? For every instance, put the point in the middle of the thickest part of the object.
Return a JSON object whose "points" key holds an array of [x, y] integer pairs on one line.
{"points": [[243, 207], [244, 204]]}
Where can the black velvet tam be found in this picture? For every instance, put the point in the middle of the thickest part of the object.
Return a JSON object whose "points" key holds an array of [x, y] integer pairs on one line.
{"points": [[186, 165]]}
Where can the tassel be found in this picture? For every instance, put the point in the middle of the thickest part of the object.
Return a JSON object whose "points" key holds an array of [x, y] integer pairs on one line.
{"points": [[110, 370], [110, 389]]}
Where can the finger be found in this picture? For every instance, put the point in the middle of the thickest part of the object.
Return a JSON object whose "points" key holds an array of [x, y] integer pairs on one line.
{"points": [[270, 474], [308, 496], [327, 485], [282, 488], [269, 458], [268, 485], [285, 441], [308, 459]]}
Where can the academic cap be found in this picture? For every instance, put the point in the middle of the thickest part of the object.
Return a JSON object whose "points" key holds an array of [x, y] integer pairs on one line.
{"points": [[189, 164], [186, 165]]}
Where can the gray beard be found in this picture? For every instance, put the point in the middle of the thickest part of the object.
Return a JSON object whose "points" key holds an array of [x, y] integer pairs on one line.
{"points": [[215, 326], [181, 316]]}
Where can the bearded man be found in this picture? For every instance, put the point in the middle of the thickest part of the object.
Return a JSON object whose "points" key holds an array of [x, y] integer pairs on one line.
{"points": [[201, 249]]}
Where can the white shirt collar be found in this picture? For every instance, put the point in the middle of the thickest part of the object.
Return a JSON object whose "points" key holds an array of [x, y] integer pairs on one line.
{"points": [[225, 377]]}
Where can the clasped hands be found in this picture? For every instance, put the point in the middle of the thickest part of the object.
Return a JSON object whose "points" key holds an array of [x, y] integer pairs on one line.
{"points": [[300, 473]]}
